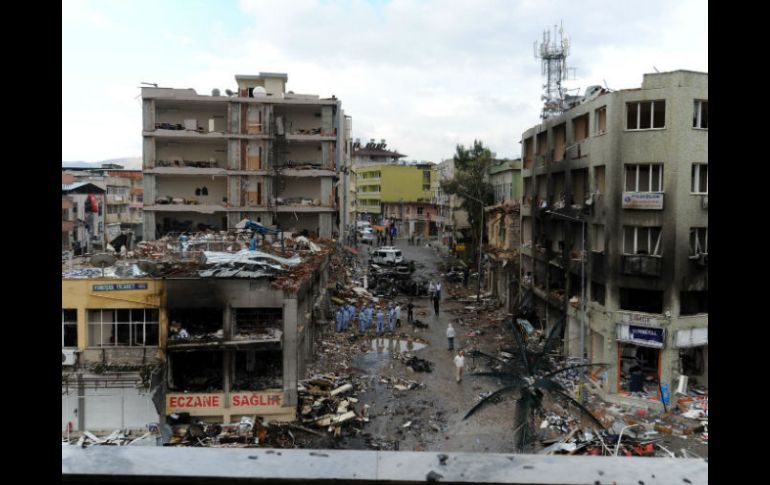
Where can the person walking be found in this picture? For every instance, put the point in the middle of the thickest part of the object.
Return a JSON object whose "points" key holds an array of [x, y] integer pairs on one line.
{"points": [[459, 365], [339, 317], [450, 335], [435, 303], [398, 314], [432, 289], [438, 289], [410, 312], [380, 321], [391, 318]]}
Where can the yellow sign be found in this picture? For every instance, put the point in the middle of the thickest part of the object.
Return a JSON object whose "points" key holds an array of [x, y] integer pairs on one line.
{"points": [[459, 247]]}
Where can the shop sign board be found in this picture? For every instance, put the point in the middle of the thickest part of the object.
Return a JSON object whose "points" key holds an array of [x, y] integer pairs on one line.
{"points": [[120, 287], [643, 336], [244, 402], [643, 200]]}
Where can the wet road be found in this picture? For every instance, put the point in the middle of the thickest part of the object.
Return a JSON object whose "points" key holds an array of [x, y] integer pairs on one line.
{"points": [[433, 412]]}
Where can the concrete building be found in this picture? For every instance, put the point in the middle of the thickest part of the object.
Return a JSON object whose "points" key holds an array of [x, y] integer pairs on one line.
{"points": [[398, 192], [67, 218], [262, 153], [86, 232], [248, 337], [123, 199], [616, 189], [502, 230], [367, 155], [450, 219]]}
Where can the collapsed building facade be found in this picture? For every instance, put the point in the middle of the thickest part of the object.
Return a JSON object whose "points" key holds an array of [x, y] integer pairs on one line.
{"points": [[260, 152], [213, 335], [615, 218]]}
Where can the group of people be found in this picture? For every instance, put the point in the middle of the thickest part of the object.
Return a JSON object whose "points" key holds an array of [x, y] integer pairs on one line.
{"points": [[367, 315]]}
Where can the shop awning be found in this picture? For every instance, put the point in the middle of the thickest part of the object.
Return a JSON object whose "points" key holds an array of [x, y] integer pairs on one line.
{"points": [[693, 337]]}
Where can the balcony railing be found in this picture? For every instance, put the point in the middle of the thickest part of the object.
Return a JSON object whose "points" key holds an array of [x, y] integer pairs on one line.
{"points": [[642, 265]]}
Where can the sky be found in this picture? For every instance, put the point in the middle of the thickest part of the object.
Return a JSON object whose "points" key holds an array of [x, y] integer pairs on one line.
{"points": [[425, 75]]}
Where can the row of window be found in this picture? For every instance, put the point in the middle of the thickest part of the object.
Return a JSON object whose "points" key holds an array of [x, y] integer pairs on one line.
{"points": [[647, 240], [113, 328], [640, 115]]}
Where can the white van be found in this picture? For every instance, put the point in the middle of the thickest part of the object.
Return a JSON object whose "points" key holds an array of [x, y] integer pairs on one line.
{"points": [[360, 225], [387, 255]]}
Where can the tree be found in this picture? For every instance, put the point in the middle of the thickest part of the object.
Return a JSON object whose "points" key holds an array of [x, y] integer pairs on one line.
{"points": [[470, 179], [530, 378]]}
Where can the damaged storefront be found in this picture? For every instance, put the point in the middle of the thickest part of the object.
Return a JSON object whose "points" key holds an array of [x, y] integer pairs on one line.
{"points": [[112, 351], [639, 360]]}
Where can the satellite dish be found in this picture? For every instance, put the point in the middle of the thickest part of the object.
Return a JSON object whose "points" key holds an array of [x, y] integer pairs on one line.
{"points": [[215, 92], [258, 91], [229, 92], [102, 260]]}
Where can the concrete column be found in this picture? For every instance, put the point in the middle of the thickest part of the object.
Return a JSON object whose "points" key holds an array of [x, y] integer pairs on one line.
{"points": [[290, 319], [325, 225], [81, 402], [148, 226]]}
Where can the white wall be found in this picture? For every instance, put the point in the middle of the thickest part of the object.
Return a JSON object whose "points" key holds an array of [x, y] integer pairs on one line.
{"points": [[304, 152], [308, 187], [184, 186], [192, 151], [108, 409]]}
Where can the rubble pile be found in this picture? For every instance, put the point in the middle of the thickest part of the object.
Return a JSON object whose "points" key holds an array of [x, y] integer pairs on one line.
{"points": [[329, 403], [416, 364], [117, 438]]}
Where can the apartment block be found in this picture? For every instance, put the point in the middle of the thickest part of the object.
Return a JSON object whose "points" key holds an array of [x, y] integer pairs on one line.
{"points": [[399, 192], [615, 220], [450, 219], [260, 152]]}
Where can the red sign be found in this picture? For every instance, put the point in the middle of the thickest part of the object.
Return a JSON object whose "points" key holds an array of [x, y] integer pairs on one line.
{"points": [[195, 401], [254, 399]]}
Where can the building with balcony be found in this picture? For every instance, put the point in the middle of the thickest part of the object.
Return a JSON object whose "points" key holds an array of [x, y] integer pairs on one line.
{"points": [[83, 216], [398, 192], [67, 221], [262, 153], [502, 222], [615, 208]]}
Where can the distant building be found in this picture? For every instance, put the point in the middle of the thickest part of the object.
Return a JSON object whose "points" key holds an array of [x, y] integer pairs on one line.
{"points": [[86, 233], [450, 219], [262, 153]]}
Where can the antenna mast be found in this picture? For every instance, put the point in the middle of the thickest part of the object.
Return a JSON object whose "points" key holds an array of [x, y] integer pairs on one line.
{"points": [[554, 68]]}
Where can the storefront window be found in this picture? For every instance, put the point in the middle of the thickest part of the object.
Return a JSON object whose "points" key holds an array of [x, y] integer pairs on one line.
{"points": [[639, 370], [123, 328]]}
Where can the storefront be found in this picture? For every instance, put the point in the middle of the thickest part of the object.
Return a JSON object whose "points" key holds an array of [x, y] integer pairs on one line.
{"points": [[639, 360], [692, 345]]}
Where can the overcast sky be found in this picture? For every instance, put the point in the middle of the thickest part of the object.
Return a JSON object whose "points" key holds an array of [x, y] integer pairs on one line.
{"points": [[424, 75]]}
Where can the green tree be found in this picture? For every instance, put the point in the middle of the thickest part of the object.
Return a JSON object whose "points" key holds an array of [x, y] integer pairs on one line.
{"points": [[470, 179]]}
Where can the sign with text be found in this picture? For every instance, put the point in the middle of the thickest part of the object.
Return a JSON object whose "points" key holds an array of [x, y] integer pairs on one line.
{"points": [[243, 402], [643, 200], [120, 287], [643, 336], [642, 319]]}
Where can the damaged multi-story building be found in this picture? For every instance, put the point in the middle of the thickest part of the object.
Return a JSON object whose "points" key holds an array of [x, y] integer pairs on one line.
{"points": [[259, 152], [502, 227], [187, 333], [614, 229]]}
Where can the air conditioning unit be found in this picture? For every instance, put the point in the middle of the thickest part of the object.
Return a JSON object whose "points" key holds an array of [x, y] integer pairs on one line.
{"points": [[681, 388], [68, 356]]}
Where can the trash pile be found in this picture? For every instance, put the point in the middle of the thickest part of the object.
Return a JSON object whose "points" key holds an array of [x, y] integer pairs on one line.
{"points": [[415, 364], [328, 402], [117, 438]]}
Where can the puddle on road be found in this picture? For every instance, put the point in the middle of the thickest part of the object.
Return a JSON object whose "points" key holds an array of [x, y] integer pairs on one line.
{"points": [[396, 345]]}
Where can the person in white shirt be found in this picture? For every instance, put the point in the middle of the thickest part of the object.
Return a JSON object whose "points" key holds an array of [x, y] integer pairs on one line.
{"points": [[398, 315], [450, 335], [438, 290], [460, 364], [432, 290]]}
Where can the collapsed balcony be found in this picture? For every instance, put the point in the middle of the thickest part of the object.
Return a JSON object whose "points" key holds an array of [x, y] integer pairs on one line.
{"points": [[258, 325], [191, 326]]}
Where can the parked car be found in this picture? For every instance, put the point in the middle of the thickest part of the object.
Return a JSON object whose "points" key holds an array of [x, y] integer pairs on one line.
{"points": [[387, 255], [366, 236]]}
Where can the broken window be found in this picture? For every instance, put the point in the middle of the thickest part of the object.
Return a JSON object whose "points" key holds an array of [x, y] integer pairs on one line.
{"points": [[123, 327], [639, 370], [69, 328], [580, 128], [597, 292], [542, 143], [579, 186], [642, 240], [648, 301], [560, 142], [598, 238], [252, 323], [258, 370], [700, 178], [645, 115], [599, 175], [195, 371], [700, 114], [529, 150], [600, 117], [644, 178], [693, 361], [694, 302], [527, 191], [699, 240], [199, 323]]}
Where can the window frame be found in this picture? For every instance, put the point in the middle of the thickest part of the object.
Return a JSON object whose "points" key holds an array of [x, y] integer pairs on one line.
{"points": [[695, 242], [650, 180], [638, 105], [131, 323], [697, 117], [696, 176], [70, 323], [655, 250], [597, 119]]}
